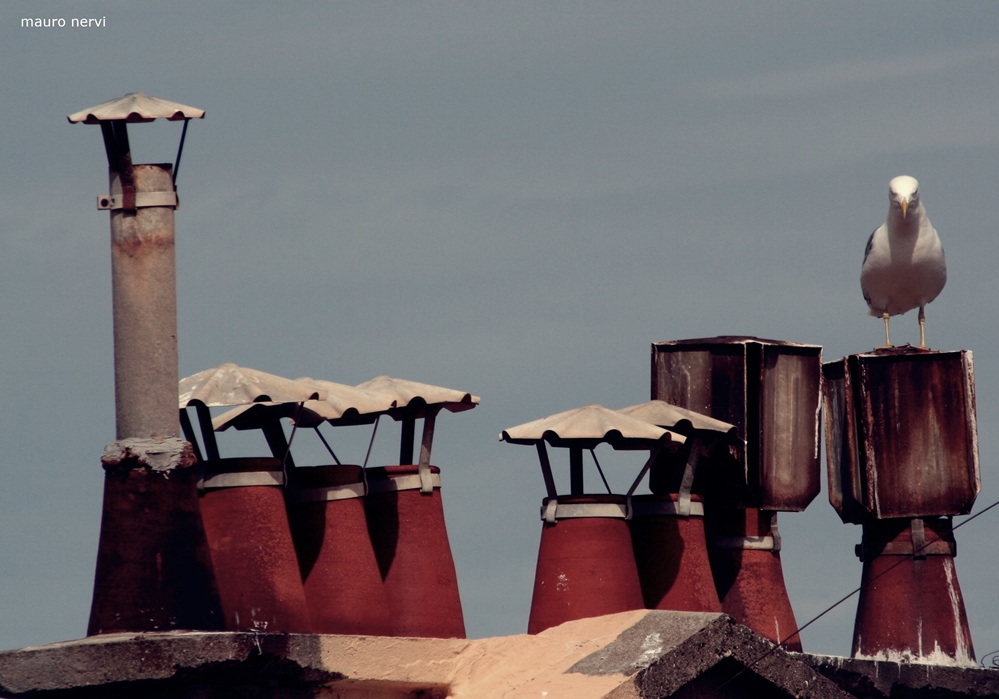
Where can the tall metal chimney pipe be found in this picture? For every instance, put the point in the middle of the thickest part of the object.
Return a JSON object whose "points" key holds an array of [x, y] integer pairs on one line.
{"points": [[144, 293], [153, 569]]}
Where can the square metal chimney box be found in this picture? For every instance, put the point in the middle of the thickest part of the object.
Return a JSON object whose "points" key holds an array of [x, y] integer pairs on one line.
{"points": [[770, 390], [901, 434]]}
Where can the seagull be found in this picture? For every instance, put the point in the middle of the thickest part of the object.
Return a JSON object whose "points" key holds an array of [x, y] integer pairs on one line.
{"points": [[904, 264]]}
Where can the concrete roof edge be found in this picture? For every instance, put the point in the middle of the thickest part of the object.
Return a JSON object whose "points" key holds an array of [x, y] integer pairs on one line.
{"points": [[716, 641], [883, 678], [128, 657]]}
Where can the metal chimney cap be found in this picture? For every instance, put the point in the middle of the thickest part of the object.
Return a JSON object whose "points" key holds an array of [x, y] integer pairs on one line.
{"points": [[588, 426], [228, 384], [343, 405], [413, 397], [136, 107], [674, 417]]}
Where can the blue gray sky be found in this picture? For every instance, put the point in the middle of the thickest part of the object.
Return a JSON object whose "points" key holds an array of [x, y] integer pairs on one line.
{"points": [[510, 198]]}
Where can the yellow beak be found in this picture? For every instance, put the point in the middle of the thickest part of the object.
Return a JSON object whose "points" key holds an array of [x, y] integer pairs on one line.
{"points": [[905, 206]]}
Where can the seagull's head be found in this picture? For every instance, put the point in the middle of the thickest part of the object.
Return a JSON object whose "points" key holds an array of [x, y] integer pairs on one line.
{"points": [[903, 193]]}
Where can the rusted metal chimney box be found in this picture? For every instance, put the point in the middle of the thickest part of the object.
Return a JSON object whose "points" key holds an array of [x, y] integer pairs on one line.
{"points": [[770, 390], [901, 434]]}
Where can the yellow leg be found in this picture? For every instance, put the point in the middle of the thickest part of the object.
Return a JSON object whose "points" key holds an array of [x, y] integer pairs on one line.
{"points": [[887, 337], [922, 328]]}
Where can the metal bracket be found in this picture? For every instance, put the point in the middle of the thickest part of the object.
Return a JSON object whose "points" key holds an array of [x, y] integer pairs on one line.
{"points": [[666, 508], [426, 482], [689, 471], [143, 200], [653, 455], [918, 547], [748, 543], [330, 493], [546, 470], [918, 538], [868, 551], [548, 511], [775, 532], [415, 482], [553, 510]]}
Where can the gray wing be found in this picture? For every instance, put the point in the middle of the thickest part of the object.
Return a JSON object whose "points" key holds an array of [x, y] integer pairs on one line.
{"points": [[867, 252], [870, 244]]}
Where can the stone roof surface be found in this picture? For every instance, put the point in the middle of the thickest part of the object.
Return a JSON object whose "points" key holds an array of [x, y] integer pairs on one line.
{"points": [[633, 655]]}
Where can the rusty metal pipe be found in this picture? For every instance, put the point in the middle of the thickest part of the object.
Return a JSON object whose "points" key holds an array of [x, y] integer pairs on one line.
{"points": [[144, 292]]}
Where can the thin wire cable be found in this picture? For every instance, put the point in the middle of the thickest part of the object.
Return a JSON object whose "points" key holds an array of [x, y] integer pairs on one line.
{"points": [[980, 512], [821, 614], [994, 654]]}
